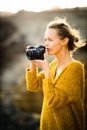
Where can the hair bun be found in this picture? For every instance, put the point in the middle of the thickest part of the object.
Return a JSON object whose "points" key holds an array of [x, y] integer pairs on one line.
{"points": [[76, 39]]}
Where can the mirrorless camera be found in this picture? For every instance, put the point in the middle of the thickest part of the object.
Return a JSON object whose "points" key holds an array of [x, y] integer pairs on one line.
{"points": [[36, 52]]}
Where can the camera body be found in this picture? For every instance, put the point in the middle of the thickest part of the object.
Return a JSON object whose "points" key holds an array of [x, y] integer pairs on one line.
{"points": [[36, 52]]}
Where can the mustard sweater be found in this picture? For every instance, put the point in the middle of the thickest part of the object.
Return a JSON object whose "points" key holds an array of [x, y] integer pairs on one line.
{"points": [[63, 106]]}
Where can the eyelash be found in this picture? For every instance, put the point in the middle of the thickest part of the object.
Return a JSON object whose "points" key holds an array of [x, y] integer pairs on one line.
{"points": [[48, 39]]}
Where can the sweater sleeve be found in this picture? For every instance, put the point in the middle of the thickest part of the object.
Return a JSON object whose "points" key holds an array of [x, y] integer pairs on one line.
{"points": [[34, 80], [68, 88]]}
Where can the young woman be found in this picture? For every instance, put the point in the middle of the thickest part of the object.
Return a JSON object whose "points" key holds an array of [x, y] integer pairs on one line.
{"points": [[62, 81]]}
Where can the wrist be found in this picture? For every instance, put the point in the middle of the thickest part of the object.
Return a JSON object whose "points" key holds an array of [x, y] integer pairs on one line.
{"points": [[32, 67], [47, 73]]}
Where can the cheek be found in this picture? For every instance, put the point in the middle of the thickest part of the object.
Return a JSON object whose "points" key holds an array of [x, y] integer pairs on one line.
{"points": [[56, 48], [53, 49]]}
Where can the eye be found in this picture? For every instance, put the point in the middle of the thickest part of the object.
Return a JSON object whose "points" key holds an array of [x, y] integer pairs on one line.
{"points": [[45, 39], [50, 39]]}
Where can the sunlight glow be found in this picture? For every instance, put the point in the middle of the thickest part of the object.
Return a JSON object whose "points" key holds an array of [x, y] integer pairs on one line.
{"points": [[39, 5]]}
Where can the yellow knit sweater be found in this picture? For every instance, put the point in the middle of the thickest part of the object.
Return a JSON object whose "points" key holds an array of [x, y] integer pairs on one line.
{"points": [[63, 96]]}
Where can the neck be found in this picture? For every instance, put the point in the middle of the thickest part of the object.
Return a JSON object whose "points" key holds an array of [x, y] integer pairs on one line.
{"points": [[64, 57]]}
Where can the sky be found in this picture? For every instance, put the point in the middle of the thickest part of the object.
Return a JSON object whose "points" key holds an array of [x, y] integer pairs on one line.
{"points": [[39, 5]]}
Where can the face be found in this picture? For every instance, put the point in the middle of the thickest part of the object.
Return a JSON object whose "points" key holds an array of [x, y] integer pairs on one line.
{"points": [[53, 42]]}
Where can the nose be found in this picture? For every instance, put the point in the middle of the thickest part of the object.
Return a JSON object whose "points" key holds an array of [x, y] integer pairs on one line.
{"points": [[46, 43]]}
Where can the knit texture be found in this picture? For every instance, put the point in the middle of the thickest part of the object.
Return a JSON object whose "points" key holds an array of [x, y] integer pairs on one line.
{"points": [[63, 106]]}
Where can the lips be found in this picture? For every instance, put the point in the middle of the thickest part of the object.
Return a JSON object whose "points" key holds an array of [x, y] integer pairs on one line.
{"points": [[47, 49]]}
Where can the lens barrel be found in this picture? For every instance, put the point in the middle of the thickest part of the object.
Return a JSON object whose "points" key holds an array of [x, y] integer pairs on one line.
{"points": [[36, 52]]}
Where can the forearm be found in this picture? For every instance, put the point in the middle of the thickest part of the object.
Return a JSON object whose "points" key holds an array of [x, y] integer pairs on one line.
{"points": [[32, 66], [46, 71], [34, 80], [30, 76]]}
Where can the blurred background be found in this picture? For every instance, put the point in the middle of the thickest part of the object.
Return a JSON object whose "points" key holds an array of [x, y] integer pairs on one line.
{"points": [[23, 23]]}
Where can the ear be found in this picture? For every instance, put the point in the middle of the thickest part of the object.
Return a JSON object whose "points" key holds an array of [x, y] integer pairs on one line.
{"points": [[65, 41]]}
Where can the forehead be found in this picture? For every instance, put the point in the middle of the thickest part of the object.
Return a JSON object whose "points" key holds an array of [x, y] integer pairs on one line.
{"points": [[51, 32]]}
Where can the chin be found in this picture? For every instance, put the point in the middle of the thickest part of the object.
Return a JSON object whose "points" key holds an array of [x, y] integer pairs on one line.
{"points": [[49, 53]]}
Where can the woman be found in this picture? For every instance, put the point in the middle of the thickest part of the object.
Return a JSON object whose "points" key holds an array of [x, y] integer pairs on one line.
{"points": [[62, 81]]}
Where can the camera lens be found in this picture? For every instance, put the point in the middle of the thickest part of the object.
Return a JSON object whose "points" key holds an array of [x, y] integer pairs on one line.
{"points": [[29, 54], [36, 52], [33, 56]]}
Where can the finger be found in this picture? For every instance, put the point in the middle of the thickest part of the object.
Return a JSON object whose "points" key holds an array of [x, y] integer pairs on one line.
{"points": [[27, 47], [45, 56], [33, 61]]}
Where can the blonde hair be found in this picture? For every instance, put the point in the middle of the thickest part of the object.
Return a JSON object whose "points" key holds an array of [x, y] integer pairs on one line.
{"points": [[65, 30]]}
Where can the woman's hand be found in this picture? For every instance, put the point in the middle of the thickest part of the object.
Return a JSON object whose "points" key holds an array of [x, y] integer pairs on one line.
{"points": [[42, 64], [32, 62]]}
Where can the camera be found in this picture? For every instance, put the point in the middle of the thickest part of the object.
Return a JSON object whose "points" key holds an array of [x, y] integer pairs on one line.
{"points": [[36, 52]]}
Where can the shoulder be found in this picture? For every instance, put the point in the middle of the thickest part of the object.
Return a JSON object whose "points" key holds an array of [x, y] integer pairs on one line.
{"points": [[76, 64], [75, 67]]}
